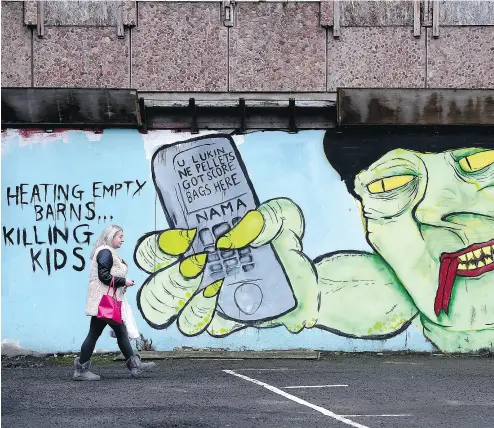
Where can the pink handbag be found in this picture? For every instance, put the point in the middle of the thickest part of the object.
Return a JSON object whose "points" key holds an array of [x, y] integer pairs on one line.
{"points": [[109, 308]]}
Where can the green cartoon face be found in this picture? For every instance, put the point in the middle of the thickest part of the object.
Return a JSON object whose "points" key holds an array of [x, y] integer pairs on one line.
{"points": [[431, 217]]}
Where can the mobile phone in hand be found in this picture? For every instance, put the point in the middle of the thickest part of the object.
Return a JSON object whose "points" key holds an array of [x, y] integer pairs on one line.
{"points": [[203, 184]]}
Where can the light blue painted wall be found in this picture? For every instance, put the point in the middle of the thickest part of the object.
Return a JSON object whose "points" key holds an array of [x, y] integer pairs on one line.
{"points": [[46, 312]]}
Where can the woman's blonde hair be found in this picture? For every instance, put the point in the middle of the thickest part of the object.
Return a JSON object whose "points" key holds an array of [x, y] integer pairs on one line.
{"points": [[106, 237]]}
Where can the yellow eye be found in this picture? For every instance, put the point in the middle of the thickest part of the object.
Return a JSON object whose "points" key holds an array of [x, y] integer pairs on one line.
{"points": [[477, 161], [389, 183]]}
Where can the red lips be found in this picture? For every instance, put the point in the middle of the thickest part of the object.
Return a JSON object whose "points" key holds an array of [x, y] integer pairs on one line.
{"points": [[448, 271]]}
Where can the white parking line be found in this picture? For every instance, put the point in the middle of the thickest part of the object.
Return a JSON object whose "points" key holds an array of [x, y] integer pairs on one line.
{"points": [[319, 409], [377, 416], [266, 370], [313, 386], [401, 362]]}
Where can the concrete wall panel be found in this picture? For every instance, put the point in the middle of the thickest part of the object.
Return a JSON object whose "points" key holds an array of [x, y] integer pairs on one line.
{"points": [[16, 46], [461, 57], [376, 57], [179, 47], [81, 57], [277, 47]]}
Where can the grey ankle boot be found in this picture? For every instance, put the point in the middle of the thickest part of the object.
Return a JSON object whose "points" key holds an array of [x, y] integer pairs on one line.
{"points": [[135, 365], [82, 371]]}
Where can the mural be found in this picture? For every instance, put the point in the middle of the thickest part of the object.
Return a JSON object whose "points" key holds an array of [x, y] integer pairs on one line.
{"points": [[318, 240], [229, 262]]}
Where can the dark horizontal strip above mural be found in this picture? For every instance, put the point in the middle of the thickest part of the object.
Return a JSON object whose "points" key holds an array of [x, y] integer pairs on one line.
{"points": [[51, 108], [70, 107], [415, 106]]}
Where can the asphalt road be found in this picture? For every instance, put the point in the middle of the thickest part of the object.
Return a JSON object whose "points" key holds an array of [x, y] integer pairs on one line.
{"points": [[386, 391]]}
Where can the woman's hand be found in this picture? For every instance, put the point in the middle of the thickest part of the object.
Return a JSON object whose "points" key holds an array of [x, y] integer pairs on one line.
{"points": [[129, 282]]}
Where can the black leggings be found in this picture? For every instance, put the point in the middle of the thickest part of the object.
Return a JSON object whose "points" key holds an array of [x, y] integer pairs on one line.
{"points": [[95, 329]]}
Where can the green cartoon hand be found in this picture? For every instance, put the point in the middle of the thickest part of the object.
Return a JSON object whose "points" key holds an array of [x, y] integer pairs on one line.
{"points": [[279, 222], [172, 292]]}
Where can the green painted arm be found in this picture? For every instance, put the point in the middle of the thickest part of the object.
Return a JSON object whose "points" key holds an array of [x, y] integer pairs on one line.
{"points": [[350, 293], [360, 296]]}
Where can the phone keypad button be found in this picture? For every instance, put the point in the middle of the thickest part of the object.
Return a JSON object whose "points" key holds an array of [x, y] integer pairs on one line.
{"points": [[231, 262], [216, 267], [227, 254], [218, 274], [244, 251], [220, 229], [248, 268], [213, 257], [206, 237], [246, 259]]}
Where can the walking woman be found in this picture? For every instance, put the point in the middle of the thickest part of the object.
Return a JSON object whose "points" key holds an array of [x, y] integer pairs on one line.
{"points": [[105, 264]]}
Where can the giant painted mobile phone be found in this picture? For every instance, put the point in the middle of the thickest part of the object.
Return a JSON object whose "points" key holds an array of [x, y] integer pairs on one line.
{"points": [[203, 184]]}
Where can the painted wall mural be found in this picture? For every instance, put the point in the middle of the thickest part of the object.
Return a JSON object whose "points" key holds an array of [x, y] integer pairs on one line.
{"points": [[323, 240], [229, 262]]}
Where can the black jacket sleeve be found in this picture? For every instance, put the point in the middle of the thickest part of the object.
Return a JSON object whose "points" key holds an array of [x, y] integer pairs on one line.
{"points": [[105, 263]]}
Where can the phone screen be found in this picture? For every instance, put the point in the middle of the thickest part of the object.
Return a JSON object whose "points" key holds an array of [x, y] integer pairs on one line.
{"points": [[208, 175]]}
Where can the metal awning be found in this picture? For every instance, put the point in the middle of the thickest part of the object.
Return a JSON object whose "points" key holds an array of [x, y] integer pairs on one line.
{"points": [[100, 108], [70, 107], [437, 107]]}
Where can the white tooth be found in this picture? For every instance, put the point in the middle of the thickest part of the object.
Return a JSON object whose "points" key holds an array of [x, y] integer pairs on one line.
{"points": [[463, 258], [488, 260], [462, 266], [469, 256], [480, 264], [477, 253], [487, 250], [471, 266]]}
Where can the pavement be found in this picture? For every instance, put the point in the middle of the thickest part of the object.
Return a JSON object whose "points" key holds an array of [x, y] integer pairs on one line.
{"points": [[341, 391]]}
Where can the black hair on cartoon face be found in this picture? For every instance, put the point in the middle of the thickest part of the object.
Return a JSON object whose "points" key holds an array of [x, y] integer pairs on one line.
{"points": [[350, 151]]}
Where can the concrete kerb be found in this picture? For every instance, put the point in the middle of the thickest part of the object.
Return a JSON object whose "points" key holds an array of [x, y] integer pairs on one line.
{"points": [[11, 348], [227, 355], [295, 354]]}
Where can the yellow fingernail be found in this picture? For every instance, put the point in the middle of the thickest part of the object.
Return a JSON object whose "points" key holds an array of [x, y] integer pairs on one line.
{"points": [[176, 241], [224, 242], [246, 231], [212, 289], [192, 266]]}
